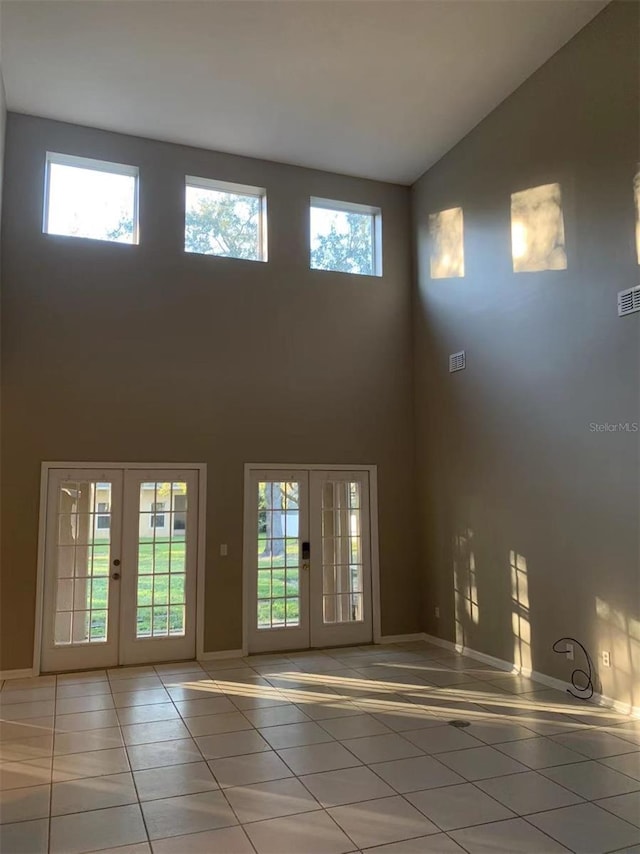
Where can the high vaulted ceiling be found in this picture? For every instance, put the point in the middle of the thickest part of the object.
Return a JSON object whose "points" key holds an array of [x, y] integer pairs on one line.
{"points": [[377, 88]]}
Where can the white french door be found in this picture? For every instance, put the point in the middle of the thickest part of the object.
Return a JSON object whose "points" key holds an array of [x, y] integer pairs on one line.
{"points": [[120, 567], [308, 554]]}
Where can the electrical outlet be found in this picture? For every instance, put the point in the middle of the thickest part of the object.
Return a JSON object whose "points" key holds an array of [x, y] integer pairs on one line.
{"points": [[223, 550], [606, 658], [569, 651], [437, 612]]}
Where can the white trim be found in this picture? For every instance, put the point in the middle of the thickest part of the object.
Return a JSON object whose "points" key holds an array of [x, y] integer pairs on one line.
{"points": [[375, 554], [42, 528], [346, 207], [246, 557], [416, 636], [91, 163], [472, 653], [201, 560], [536, 676], [46, 467], [373, 529], [25, 673], [219, 654], [309, 466], [97, 166], [49, 464], [260, 193], [353, 207], [199, 183]]}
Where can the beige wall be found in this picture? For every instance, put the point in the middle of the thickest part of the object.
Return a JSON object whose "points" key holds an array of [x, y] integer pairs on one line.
{"points": [[507, 459], [251, 362], [3, 118], [3, 122]]}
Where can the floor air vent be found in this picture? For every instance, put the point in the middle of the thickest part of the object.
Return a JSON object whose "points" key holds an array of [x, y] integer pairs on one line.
{"points": [[629, 301], [457, 361]]}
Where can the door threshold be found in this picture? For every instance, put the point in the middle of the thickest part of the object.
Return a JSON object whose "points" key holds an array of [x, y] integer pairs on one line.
{"points": [[120, 667]]}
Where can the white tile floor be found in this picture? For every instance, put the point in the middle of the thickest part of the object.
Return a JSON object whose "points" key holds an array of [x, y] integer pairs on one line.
{"points": [[325, 752]]}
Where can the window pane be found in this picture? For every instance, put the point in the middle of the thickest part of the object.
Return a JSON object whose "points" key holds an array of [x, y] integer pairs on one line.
{"points": [[176, 620], [98, 626], [176, 594], [161, 560], [218, 222], [160, 621], [145, 590], [342, 240], [86, 201], [277, 554], [83, 558], [264, 613], [144, 622], [342, 570]]}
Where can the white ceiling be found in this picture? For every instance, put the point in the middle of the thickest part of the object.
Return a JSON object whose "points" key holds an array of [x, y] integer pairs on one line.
{"points": [[377, 88]]}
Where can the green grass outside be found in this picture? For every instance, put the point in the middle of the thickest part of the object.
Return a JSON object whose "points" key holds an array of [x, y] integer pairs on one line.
{"points": [[278, 584], [152, 600]]}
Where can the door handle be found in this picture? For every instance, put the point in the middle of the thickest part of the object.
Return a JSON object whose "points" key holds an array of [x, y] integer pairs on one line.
{"points": [[115, 576]]}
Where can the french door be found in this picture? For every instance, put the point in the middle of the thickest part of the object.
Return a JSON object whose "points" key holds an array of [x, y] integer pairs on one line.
{"points": [[308, 556], [120, 567]]}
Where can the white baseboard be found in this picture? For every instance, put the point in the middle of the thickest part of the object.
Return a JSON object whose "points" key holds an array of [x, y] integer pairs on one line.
{"points": [[542, 678], [219, 654], [25, 673], [417, 636]]}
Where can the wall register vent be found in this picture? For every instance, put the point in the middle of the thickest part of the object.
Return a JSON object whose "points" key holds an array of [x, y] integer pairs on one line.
{"points": [[629, 301], [457, 361]]}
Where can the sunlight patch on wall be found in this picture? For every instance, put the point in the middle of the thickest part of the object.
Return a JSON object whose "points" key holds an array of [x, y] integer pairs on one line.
{"points": [[636, 192], [465, 587], [520, 622], [620, 634], [446, 230], [537, 230]]}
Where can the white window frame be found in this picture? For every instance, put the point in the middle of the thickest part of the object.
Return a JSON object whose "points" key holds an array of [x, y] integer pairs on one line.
{"points": [[237, 190], [352, 207], [78, 162]]}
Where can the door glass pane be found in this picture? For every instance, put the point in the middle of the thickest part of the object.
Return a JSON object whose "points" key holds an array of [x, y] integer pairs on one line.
{"points": [[162, 545], [278, 563], [342, 569], [82, 554]]}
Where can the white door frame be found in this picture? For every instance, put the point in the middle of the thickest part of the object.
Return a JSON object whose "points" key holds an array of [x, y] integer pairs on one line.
{"points": [[248, 545], [46, 467]]}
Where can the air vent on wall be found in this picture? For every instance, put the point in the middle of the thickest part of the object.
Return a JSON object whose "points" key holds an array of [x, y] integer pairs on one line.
{"points": [[629, 301], [457, 362]]}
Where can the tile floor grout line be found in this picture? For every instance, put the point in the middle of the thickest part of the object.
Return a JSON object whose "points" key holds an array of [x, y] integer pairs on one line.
{"points": [[604, 765], [539, 829], [216, 781], [53, 747], [353, 700], [633, 779], [133, 778]]}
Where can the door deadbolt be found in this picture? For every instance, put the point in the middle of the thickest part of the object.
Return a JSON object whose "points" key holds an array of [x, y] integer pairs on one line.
{"points": [[116, 562]]}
